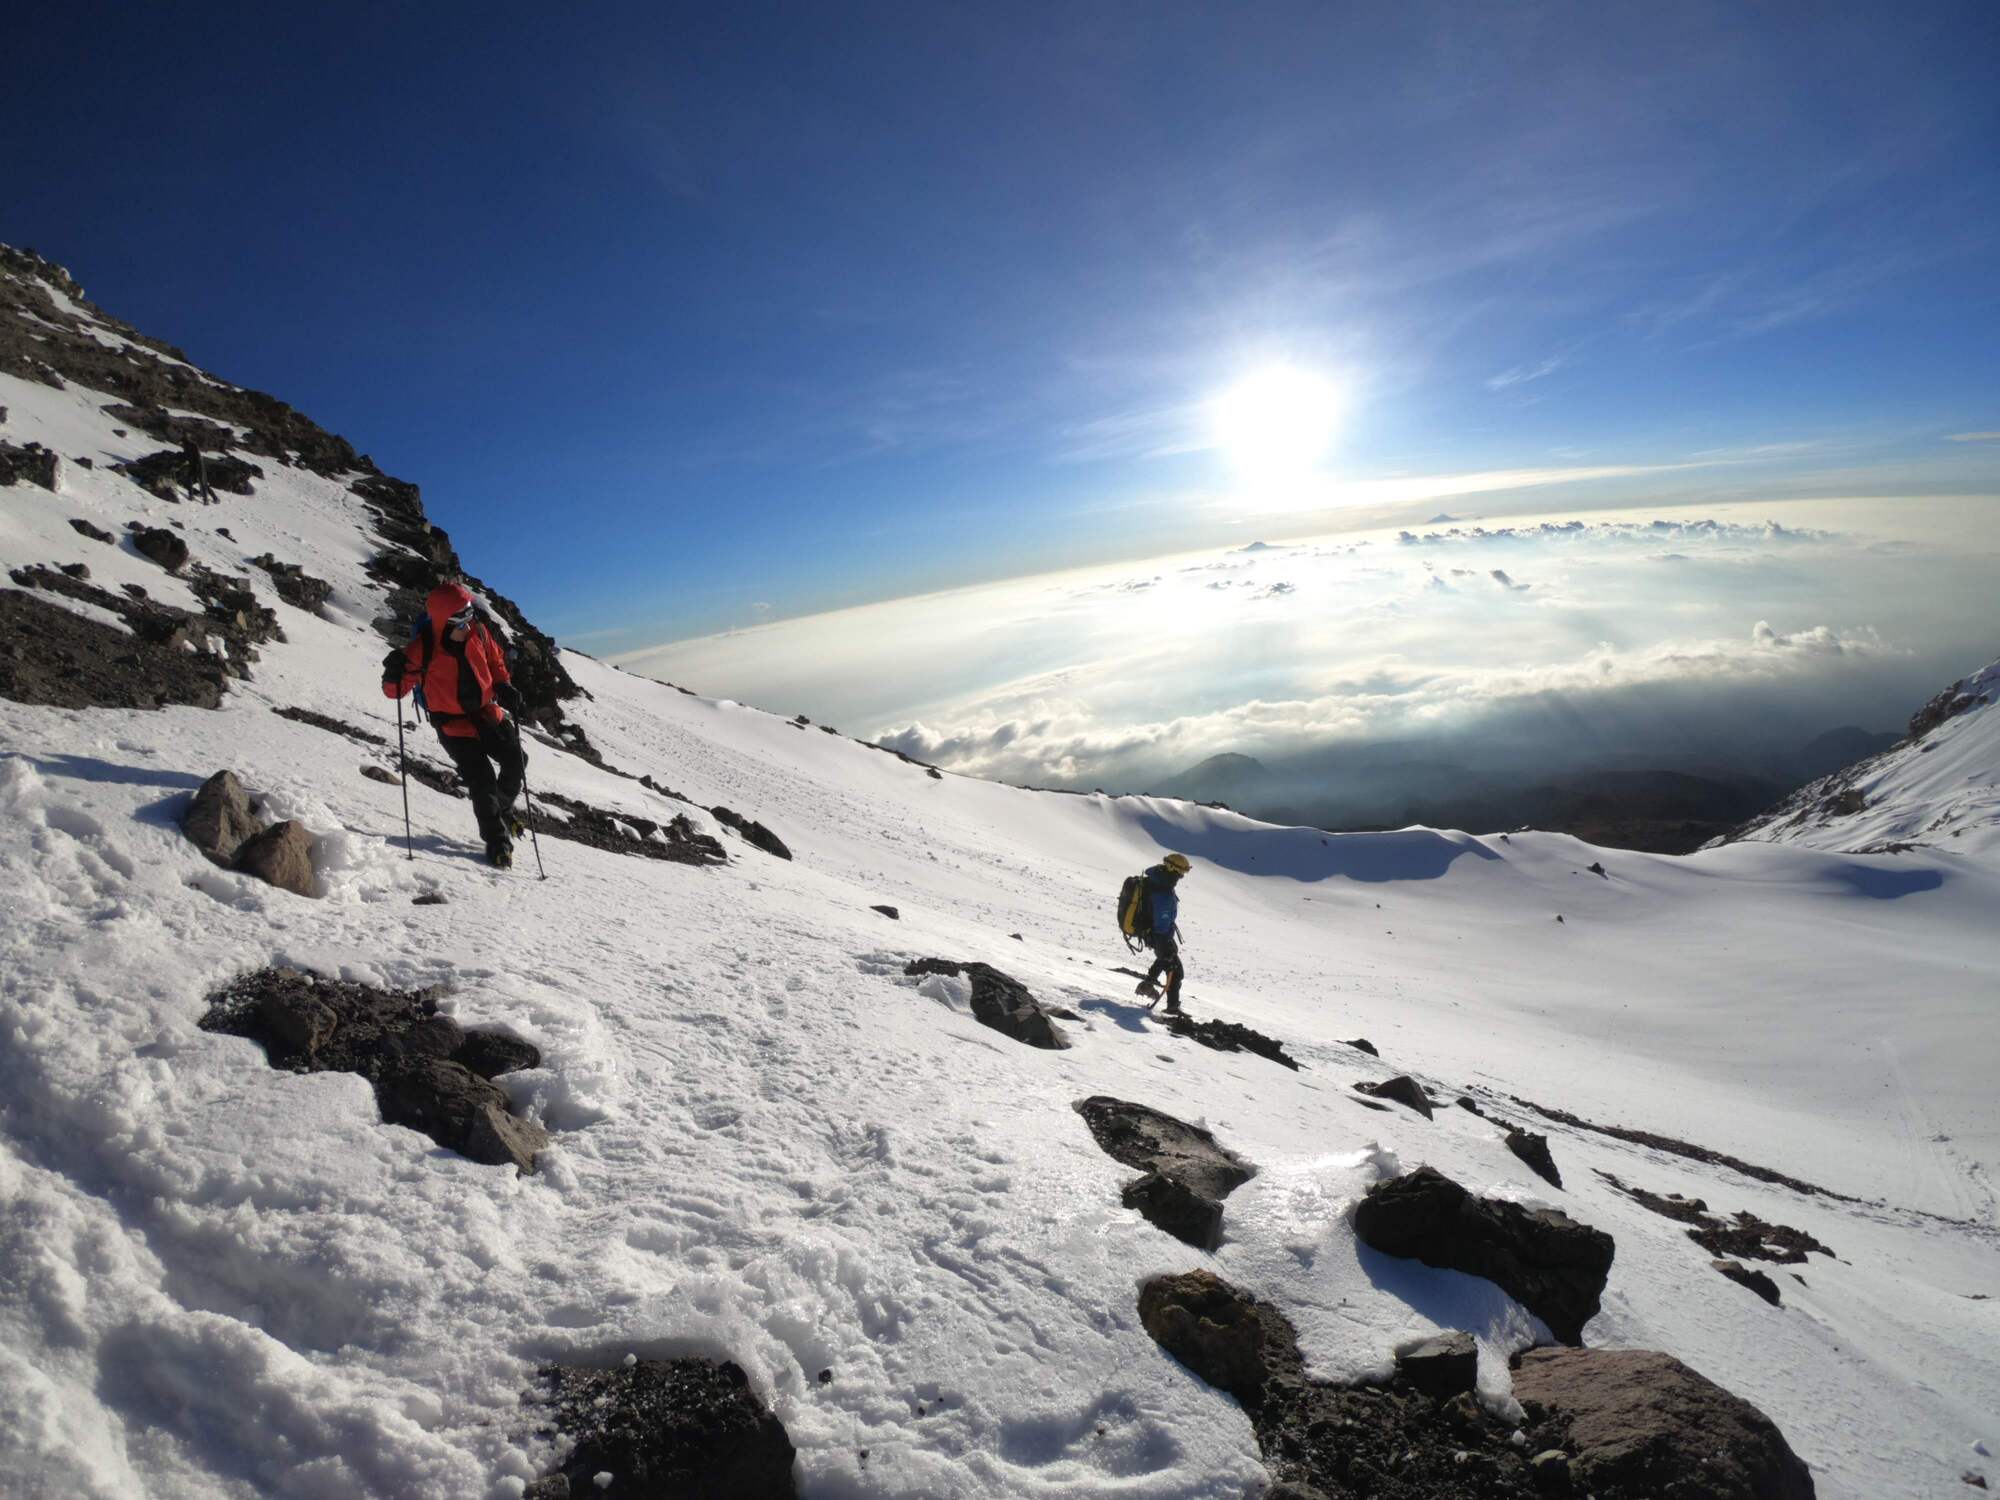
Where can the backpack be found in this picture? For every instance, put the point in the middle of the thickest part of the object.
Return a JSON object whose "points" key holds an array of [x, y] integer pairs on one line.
{"points": [[1135, 911]]}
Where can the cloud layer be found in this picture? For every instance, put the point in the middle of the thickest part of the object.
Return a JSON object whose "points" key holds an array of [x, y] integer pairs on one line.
{"points": [[1569, 641]]}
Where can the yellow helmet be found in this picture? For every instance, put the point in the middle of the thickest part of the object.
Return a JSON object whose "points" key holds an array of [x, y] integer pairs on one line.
{"points": [[1178, 863]]}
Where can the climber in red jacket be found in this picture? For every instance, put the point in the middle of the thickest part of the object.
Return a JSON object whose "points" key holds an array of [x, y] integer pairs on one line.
{"points": [[462, 680]]}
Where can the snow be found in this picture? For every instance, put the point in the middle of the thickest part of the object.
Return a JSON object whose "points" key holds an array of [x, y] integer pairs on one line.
{"points": [[770, 1145], [1942, 790]]}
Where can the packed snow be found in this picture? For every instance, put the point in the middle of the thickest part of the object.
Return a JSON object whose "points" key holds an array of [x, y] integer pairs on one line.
{"points": [[217, 1279]]}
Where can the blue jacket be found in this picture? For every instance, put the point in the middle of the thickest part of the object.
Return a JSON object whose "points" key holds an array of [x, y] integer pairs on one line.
{"points": [[1166, 901]]}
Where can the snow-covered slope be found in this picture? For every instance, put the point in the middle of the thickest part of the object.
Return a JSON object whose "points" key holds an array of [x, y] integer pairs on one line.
{"points": [[217, 1279], [1939, 788]]}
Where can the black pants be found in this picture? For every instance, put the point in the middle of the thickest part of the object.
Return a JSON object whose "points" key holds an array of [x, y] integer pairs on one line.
{"points": [[1167, 961], [475, 756]]}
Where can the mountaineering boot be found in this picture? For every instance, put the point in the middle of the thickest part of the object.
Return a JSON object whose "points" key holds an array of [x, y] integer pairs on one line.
{"points": [[515, 827], [500, 854]]}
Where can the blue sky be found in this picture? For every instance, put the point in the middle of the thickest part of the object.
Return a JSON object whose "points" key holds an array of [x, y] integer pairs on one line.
{"points": [[686, 318]]}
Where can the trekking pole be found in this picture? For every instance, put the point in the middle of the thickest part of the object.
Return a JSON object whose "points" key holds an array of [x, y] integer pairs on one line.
{"points": [[533, 837], [402, 765]]}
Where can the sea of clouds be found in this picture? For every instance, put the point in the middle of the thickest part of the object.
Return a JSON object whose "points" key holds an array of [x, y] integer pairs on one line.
{"points": [[1717, 637]]}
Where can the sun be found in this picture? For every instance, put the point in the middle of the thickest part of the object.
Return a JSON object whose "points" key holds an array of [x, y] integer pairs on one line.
{"points": [[1278, 422]]}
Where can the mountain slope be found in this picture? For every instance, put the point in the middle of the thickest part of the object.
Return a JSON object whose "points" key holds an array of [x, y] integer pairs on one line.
{"points": [[769, 1144], [1938, 788]]}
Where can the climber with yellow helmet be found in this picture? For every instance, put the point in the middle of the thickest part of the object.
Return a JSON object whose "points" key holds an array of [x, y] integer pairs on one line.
{"points": [[1161, 907]]}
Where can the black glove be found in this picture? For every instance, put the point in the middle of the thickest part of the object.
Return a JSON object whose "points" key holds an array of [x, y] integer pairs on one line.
{"points": [[392, 668], [508, 697]]}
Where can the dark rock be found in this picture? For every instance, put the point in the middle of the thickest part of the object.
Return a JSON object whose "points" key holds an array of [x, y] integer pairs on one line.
{"points": [[1467, 1102], [30, 464], [297, 1024], [431, 898], [379, 773], [1550, 1469], [281, 856], [1596, 867], [1957, 699], [427, 1072], [1017, 937], [1403, 1089], [498, 1139], [1974, 1478], [1744, 1237], [294, 585], [1229, 1338], [1441, 1366], [933, 773], [679, 1429], [491, 1053], [1757, 1281], [166, 472], [434, 1095], [1644, 1424], [56, 658], [1329, 1442], [679, 842], [1187, 1173], [1362, 1044], [753, 832], [219, 821], [95, 533], [1534, 1150], [328, 723], [1545, 1260], [161, 546], [888, 911], [999, 1001], [76, 569], [1173, 1206], [1226, 1036]]}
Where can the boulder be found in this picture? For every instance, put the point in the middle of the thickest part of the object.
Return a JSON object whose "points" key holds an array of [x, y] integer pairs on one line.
{"points": [[999, 1001], [1187, 1173], [294, 584], [1169, 1204], [1225, 1336], [1322, 1441], [1362, 1044], [1642, 1423], [282, 856], [379, 773], [491, 1053], [669, 1428], [754, 833], [161, 546], [29, 463], [1757, 1281], [428, 1072], [1145, 1138], [1227, 1036], [1441, 1366], [95, 533], [219, 820], [1545, 1260], [1403, 1089], [888, 911], [498, 1139], [1534, 1150]]}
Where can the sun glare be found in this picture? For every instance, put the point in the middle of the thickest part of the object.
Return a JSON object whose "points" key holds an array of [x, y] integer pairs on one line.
{"points": [[1277, 424]]}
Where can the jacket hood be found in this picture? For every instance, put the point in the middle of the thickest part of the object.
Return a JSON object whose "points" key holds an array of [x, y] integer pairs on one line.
{"points": [[446, 600]]}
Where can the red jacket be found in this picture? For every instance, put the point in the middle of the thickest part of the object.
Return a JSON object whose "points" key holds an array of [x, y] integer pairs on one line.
{"points": [[458, 677]]}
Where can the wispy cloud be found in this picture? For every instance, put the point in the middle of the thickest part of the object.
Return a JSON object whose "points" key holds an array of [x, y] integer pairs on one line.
{"points": [[1974, 437], [1523, 374]]}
